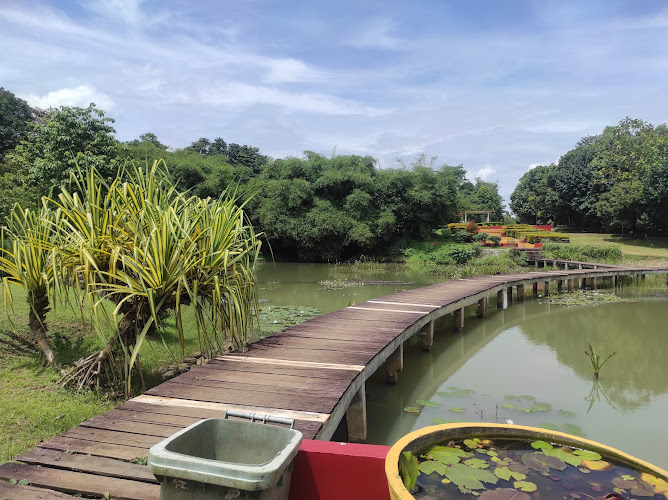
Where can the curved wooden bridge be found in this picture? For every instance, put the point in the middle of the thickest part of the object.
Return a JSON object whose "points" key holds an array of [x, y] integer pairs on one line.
{"points": [[314, 373]]}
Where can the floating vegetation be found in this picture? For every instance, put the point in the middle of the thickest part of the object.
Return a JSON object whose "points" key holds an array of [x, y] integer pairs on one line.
{"points": [[508, 469], [484, 408], [583, 298], [339, 284], [595, 358], [275, 319]]}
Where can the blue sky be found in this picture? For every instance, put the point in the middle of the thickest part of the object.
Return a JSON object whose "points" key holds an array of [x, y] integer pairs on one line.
{"points": [[496, 86]]}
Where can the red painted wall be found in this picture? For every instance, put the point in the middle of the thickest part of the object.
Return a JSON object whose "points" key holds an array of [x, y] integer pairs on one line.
{"points": [[547, 228], [325, 470]]}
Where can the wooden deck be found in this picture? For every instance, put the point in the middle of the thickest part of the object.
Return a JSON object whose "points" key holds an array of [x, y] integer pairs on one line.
{"points": [[313, 372]]}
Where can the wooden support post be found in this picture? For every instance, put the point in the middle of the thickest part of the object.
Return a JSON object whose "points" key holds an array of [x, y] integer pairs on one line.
{"points": [[536, 263], [394, 364], [535, 290], [579, 266], [565, 266], [570, 284], [509, 293], [482, 307], [583, 283], [520, 293], [499, 299], [427, 336], [560, 285], [458, 320], [546, 290], [356, 417], [616, 280], [594, 283]]}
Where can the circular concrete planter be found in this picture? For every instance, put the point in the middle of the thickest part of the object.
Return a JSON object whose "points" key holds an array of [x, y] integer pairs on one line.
{"points": [[422, 439]]}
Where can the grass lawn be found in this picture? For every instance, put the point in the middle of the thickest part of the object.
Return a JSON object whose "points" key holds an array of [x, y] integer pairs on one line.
{"points": [[651, 247]]}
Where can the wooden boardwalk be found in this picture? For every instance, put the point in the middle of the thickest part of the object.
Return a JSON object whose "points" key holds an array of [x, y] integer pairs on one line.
{"points": [[313, 372]]}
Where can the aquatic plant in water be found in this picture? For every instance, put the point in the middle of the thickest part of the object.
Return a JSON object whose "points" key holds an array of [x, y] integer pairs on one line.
{"points": [[595, 359], [510, 468]]}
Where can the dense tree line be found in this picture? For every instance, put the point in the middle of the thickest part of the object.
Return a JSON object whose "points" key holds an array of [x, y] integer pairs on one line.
{"points": [[617, 180], [311, 208]]}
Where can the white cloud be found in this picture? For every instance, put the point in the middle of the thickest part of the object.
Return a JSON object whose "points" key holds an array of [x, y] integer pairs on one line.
{"points": [[377, 35], [126, 11], [483, 173], [80, 96]]}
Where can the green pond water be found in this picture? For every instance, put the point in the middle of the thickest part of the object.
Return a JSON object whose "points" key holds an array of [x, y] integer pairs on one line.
{"points": [[532, 349]]}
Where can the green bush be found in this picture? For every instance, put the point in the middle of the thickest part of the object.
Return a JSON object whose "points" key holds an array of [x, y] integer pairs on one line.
{"points": [[496, 240], [540, 236], [480, 237], [593, 253], [460, 237]]}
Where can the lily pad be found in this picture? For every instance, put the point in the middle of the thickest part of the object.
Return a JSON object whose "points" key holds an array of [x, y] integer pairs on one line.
{"points": [[511, 397], [457, 410], [504, 494], [426, 402], [660, 485], [576, 430], [470, 477], [587, 454], [431, 466], [509, 406], [526, 396], [541, 445], [456, 392], [597, 465], [476, 463], [531, 461], [564, 456], [412, 409], [538, 406], [552, 427], [527, 486], [566, 413], [448, 455]]}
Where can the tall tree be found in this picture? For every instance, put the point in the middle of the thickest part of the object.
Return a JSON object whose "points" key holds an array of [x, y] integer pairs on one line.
{"points": [[15, 117], [67, 138]]}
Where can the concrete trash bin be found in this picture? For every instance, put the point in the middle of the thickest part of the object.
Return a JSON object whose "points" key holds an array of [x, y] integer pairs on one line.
{"points": [[225, 459]]}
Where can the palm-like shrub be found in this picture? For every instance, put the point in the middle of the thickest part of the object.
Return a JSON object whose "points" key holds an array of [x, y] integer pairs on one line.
{"points": [[28, 258], [150, 251]]}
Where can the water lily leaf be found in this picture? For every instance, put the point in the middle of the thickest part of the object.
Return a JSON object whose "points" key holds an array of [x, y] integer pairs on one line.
{"points": [[552, 427], [510, 397], [525, 486], [502, 472], [456, 392], [412, 409], [627, 477], [477, 463], [445, 480], [499, 462], [541, 445], [526, 396], [425, 402], [457, 410], [565, 456], [597, 465], [408, 469], [584, 470], [431, 466], [531, 461], [587, 455], [551, 461], [525, 410], [472, 443], [470, 477], [504, 494], [438, 421], [660, 485], [539, 406], [509, 406], [626, 484], [448, 455], [576, 430], [566, 413], [640, 492]]}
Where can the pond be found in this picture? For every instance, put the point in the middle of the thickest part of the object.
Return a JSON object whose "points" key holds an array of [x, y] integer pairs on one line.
{"points": [[526, 364], [329, 287]]}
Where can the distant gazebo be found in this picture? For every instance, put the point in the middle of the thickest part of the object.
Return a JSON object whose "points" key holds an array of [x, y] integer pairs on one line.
{"points": [[486, 213]]}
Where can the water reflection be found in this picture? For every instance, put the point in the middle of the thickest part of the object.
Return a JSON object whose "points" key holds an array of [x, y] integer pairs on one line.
{"points": [[537, 349]]}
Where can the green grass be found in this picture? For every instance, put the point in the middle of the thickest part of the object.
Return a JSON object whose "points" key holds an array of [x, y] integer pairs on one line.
{"points": [[650, 247]]}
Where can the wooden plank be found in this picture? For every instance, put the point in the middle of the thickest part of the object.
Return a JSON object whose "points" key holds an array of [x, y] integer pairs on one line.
{"points": [[174, 406], [79, 482], [240, 362], [291, 339], [243, 397], [131, 428], [111, 437], [310, 391], [246, 358], [260, 379], [85, 463], [308, 355], [9, 491], [96, 448]]}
